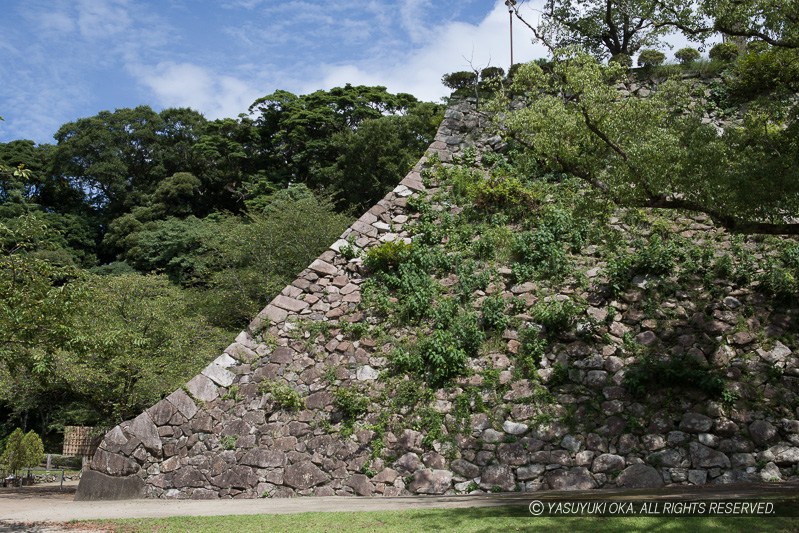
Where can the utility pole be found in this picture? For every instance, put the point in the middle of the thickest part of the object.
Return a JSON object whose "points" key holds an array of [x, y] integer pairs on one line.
{"points": [[511, 4]]}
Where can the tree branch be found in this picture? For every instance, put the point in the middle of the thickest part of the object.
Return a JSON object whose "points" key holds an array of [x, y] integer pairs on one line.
{"points": [[653, 201], [602, 136], [730, 222]]}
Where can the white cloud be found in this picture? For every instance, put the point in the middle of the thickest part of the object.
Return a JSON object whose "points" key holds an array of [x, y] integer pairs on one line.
{"points": [[56, 22], [190, 85], [102, 18], [449, 48], [413, 20]]}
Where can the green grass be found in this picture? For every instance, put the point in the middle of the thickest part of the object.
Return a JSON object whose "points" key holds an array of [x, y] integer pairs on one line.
{"points": [[461, 520]]}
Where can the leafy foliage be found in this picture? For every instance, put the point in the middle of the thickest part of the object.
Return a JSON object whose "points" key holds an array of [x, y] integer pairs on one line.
{"points": [[610, 27], [351, 402], [556, 316], [149, 342], [639, 152], [22, 450], [687, 55], [387, 257], [727, 51], [460, 80], [651, 58], [284, 396]]}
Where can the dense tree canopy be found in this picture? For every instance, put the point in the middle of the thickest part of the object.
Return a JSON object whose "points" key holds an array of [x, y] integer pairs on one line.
{"points": [[658, 151], [607, 28], [661, 151], [775, 22], [306, 139]]}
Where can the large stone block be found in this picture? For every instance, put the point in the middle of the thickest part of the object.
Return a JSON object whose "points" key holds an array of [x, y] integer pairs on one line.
{"points": [[202, 388], [183, 403], [98, 486], [113, 464], [639, 476], [497, 476], [304, 475], [696, 423], [145, 430], [704, 457], [763, 433], [263, 458], [162, 412], [608, 462], [782, 454], [361, 485], [431, 481], [465, 468], [219, 375], [114, 440], [577, 478]]}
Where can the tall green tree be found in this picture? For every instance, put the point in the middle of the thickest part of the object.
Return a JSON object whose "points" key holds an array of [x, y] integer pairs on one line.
{"points": [[112, 157], [775, 22], [301, 137], [656, 152], [136, 339], [375, 156], [39, 295], [22, 450], [607, 28]]}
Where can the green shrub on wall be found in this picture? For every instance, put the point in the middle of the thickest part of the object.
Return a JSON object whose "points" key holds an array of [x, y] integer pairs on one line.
{"points": [[687, 55], [386, 257], [557, 317], [351, 402], [622, 59], [651, 58], [724, 52], [284, 396], [766, 71], [444, 357]]}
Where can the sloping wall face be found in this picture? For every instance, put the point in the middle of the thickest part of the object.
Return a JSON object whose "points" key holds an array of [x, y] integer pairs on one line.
{"points": [[224, 434], [305, 402]]}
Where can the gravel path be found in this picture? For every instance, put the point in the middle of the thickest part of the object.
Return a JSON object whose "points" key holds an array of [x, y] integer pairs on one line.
{"points": [[44, 509]]}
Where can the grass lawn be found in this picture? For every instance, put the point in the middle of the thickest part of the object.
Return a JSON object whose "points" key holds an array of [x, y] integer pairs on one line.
{"points": [[460, 520]]}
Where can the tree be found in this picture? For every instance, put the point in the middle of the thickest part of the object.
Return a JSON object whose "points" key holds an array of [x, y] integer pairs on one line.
{"points": [[14, 198], [22, 450], [111, 157], [640, 152], [300, 136], [118, 159], [651, 58], [492, 73], [37, 297], [724, 52], [460, 81], [39, 294], [373, 158], [252, 260], [137, 338], [687, 55], [608, 28], [773, 21]]}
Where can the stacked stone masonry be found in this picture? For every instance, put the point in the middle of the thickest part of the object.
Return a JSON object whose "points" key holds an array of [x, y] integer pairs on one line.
{"points": [[221, 436]]}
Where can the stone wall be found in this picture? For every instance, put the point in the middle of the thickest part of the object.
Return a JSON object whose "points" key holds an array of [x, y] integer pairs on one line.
{"points": [[225, 434]]}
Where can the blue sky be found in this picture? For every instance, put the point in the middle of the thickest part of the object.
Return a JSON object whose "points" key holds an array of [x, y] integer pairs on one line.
{"points": [[65, 59]]}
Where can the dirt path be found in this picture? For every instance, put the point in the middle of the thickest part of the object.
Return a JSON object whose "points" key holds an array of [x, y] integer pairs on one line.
{"points": [[47, 506]]}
